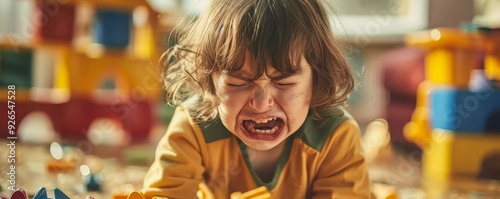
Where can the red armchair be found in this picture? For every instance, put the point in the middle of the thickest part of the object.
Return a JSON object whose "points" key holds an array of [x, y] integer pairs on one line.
{"points": [[403, 69]]}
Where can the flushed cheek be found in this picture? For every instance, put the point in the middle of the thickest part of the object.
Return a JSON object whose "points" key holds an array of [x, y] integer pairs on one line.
{"points": [[296, 107], [229, 108], [295, 99]]}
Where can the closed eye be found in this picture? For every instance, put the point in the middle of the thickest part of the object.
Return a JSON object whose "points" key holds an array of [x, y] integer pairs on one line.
{"points": [[238, 85], [284, 85]]}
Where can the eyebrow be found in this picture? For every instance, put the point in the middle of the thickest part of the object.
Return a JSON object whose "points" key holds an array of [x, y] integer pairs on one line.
{"points": [[238, 74], [243, 75]]}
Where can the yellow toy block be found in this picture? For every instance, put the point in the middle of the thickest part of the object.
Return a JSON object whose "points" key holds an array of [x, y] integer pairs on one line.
{"points": [[258, 193], [139, 195], [492, 66], [204, 192], [143, 45], [449, 154], [492, 60], [382, 191], [452, 54], [82, 75], [418, 129], [136, 195]]}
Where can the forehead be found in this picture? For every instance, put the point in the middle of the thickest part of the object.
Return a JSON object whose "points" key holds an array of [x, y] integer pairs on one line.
{"points": [[251, 70]]}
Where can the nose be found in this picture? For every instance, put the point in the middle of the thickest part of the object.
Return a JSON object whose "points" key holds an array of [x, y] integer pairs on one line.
{"points": [[261, 100]]}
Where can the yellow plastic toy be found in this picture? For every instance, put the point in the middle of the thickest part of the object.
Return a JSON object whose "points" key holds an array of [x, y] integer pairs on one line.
{"points": [[136, 195], [81, 75], [76, 68], [258, 193], [204, 192], [382, 191], [453, 55], [492, 60]]}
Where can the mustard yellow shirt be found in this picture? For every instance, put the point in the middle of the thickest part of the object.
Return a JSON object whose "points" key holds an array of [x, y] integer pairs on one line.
{"points": [[320, 160]]}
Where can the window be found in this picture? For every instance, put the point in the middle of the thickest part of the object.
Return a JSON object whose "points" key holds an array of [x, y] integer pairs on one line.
{"points": [[380, 17]]}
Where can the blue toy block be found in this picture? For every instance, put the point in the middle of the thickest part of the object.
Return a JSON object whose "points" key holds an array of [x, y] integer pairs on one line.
{"points": [[112, 28], [93, 182], [58, 194], [42, 194], [464, 111], [16, 68]]}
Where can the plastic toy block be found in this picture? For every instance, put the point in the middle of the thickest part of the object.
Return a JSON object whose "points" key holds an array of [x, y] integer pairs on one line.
{"points": [[60, 166], [462, 154], [492, 59], [120, 194], [131, 75], [42, 194], [108, 3], [112, 28], [383, 191], [457, 118], [19, 194], [258, 193], [492, 66], [452, 55], [463, 111], [16, 67], [58, 194], [93, 182], [448, 38], [204, 192], [143, 42], [57, 22], [418, 129], [490, 167], [136, 195]]}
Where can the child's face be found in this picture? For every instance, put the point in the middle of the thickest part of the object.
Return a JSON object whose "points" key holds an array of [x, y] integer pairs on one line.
{"points": [[264, 112]]}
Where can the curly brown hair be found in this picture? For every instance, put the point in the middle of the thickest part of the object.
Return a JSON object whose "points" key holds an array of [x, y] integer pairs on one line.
{"points": [[274, 32]]}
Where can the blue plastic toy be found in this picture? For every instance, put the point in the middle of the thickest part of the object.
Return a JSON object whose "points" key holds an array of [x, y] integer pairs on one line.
{"points": [[112, 28], [464, 111], [93, 182], [42, 194]]}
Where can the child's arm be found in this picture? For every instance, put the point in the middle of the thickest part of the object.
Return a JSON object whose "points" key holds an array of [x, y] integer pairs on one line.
{"points": [[343, 173], [177, 169]]}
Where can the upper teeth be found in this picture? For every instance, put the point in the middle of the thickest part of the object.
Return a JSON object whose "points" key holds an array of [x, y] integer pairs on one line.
{"points": [[264, 120]]}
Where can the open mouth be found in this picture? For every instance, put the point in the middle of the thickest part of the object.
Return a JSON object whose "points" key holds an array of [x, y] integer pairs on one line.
{"points": [[268, 128]]}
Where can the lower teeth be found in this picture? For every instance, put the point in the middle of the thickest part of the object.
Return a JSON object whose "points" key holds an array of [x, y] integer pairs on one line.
{"points": [[259, 131]]}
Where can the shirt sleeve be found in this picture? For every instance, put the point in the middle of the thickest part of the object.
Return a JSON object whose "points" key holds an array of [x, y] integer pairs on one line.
{"points": [[343, 172], [177, 169]]}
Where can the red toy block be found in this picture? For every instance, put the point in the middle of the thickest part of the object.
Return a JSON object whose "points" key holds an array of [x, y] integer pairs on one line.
{"points": [[56, 21]]}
